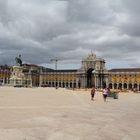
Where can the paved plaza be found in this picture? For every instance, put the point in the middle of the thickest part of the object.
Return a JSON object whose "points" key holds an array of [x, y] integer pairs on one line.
{"points": [[62, 114]]}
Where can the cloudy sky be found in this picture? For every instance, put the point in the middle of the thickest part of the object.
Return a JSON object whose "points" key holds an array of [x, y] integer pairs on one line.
{"points": [[40, 30]]}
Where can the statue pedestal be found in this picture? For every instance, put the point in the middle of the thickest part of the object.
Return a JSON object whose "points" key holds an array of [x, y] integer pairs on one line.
{"points": [[18, 78]]}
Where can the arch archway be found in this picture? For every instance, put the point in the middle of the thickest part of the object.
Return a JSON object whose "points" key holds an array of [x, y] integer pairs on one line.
{"points": [[79, 85], [89, 77], [63, 84], [59, 84], [52, 84], [135, 86], [130, 86], [115, 86], [110, 85], [74, 85], [67, 84], [120, 86], [70, 85], [125, 86]]}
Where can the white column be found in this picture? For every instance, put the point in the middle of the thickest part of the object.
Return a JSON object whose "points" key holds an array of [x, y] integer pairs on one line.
{"points": [[112, 85], [95, 82], [101, 81], [137, 86], [127, 86], [3, 81], [122, 85]]}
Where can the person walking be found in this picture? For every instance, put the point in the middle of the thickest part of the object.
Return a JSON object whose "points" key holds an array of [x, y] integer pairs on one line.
{"points": [[92, 93], [105, 93]]}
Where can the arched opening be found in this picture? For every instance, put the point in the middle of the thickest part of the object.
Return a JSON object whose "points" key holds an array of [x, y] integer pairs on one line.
{"points": [[110, 85], [120, 86], [67, 84], [115, 86], [135, 86], [130, 86], [70, 85], [79, 85], [49, 84], [52, 84], [59, 84], [74, 85], [56, 84], [125, 86], [63, 84], [89, 78]]}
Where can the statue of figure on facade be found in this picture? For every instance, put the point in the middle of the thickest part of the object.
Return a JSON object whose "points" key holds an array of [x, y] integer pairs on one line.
{"points": [[18, 61]]}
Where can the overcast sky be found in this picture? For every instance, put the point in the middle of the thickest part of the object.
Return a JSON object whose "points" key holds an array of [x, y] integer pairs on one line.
{"points": [[40, 30]]}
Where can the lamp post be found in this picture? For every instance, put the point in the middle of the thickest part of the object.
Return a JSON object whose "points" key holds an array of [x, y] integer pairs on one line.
{"points": [[55, 60]]}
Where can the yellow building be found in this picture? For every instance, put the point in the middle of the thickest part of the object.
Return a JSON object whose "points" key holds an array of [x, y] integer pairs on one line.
{"points": [[128, 78], [5, 73], [59, 78]]}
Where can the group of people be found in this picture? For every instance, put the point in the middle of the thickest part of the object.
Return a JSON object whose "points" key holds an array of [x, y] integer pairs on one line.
{"points": [[105, 93]]}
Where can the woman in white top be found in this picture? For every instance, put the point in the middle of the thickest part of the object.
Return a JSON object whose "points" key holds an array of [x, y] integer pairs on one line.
{"points": [[105, 93]]}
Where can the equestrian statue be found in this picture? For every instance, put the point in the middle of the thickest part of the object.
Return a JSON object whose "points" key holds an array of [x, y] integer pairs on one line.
{"points": [[18, 61]]}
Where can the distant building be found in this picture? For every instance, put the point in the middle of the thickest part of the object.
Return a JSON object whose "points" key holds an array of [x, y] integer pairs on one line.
{"points": [[128, 78], [5, 73], [91, 73]]}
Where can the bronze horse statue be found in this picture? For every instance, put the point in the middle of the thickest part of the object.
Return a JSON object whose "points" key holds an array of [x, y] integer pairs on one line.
{"points": [[18, 60]]}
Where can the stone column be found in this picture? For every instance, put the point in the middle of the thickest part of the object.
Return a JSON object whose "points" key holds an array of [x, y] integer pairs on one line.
{"points": [[137, 86], [3, 83], [77, 81], [40, 80], [72, 84], [85, 81], [132, 85], [127, 86], [117, 85], [68, 84], [122, 85], [82, 81], [101, 82], [106, 80], [112, 85], [95, 82], [61, 83], [31, 84]]}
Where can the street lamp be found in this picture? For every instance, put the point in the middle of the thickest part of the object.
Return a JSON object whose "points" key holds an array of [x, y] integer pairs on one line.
{"points": [[55, 60]]}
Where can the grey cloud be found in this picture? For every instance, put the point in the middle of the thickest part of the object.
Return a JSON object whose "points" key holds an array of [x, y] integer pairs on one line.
{"points": [[69, 29], [129, 12], [90, 11]]}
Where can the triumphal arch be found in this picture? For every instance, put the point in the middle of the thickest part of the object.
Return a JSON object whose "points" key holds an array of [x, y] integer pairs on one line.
{"points": [[92, 72]]}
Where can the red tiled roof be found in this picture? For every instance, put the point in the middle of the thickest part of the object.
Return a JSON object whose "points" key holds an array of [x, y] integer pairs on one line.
{"points": [[125, 70]]}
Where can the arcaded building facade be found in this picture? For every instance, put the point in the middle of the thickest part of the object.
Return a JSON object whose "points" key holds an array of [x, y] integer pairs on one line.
{"points": [[5, 73], [124, 78]]}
